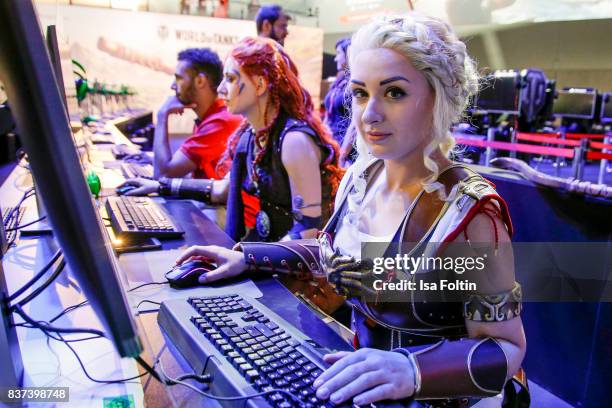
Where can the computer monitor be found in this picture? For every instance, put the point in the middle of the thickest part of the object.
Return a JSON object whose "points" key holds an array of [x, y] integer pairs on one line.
{"points": [[577, 103], [36, 102], [54, 55], [500, 93], [606, 108]]}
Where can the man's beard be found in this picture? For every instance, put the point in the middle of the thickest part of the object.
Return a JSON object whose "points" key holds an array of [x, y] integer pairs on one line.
{"points": [[275, 37], [186, 97]]}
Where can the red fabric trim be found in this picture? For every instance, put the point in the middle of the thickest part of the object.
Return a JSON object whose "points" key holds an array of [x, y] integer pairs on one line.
{"points": [[478, 207], [598, 156], [518, 147], [355, 342], [584, 135]]}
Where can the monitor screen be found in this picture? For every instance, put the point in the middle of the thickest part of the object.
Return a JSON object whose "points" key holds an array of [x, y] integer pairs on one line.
{"points": [[606, 108], [77, 226], [499, 93], [575, 103]]}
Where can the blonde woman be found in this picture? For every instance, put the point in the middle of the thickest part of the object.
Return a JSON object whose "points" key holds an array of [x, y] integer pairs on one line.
{"points": [[410, 78]]}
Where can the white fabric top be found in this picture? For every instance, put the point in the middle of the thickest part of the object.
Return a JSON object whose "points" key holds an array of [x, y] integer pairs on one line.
{"points": [[349, 237]]}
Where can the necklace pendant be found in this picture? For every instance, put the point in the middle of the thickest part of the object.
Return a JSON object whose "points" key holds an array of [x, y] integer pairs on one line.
{"points": [[262, 224]]}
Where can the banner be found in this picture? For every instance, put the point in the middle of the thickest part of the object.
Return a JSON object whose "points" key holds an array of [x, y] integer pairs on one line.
{"points": [[139, 49]]}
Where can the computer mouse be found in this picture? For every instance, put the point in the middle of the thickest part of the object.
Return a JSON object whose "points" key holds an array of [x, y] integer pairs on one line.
{"points": [[124, 189], [187, 274]]}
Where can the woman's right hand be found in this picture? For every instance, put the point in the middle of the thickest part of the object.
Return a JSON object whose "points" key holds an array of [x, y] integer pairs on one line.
{"points": [[229, 262], [143, 186]]}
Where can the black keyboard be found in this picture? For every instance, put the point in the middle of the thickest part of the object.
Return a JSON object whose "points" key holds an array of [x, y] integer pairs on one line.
{"points": [[140, 217], [134, 170], [11, 218], [247, 349], [122, 150]]}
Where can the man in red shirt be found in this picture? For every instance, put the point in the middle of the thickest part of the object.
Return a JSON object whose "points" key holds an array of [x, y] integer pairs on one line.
{"points": [[197, 75]]}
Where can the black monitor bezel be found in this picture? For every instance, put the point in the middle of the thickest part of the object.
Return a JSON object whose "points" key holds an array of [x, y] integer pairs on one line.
{"points": [[25, 69], [487, 82], [576, 115], [605, 119]]}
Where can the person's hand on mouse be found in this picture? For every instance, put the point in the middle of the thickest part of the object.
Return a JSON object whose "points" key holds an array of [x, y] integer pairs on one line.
{"points": [[143, 186], [229, 262]]}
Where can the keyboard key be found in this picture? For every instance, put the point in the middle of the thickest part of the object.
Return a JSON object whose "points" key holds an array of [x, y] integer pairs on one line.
{"points": [[247, 317], [253, 356], [281, 382], [272, 325], [276, 397], [245, 367], [305, 393], [252, 331], [226, 349], [239, 361], [264, 330], [259, 363], [251, 375]]}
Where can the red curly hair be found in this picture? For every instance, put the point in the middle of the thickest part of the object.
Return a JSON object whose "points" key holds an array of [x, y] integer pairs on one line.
{"points": [[265, 57]]}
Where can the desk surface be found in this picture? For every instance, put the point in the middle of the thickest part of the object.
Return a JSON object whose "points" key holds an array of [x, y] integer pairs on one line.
{"points": [[49, 363]]}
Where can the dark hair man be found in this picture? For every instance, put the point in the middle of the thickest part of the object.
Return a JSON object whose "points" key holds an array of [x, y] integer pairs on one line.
{"points": [[272, 23], [197, 75]]}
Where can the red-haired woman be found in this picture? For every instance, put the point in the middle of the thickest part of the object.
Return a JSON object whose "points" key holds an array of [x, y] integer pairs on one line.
{"points": [[282, 161], [282, 156]]}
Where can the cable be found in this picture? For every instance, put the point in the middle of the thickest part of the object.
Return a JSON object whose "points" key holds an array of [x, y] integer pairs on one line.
{"points": [[68, 310], [149, 283], [42, 287], [18, 227], [85, 370], [30, 326], [34, 323], [236, 398], [44, 269], [147, 301]]}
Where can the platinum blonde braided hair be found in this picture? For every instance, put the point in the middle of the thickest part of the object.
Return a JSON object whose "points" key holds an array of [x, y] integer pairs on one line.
{"points": [[434, 49]]}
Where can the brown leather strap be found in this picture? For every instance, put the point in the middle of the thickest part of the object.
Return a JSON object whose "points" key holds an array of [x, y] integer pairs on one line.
{"points": [[462, 368]]}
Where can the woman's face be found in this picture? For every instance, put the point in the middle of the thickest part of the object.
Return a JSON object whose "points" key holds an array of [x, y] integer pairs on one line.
{"points": [[236, 89], [392, 104], [340, 59]]}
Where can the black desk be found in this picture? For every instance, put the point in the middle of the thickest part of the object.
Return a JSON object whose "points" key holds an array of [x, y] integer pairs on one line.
{"points": [[199, 230]]}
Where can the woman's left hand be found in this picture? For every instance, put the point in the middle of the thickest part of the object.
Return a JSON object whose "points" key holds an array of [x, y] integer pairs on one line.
{"points": [[366, 375]]}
